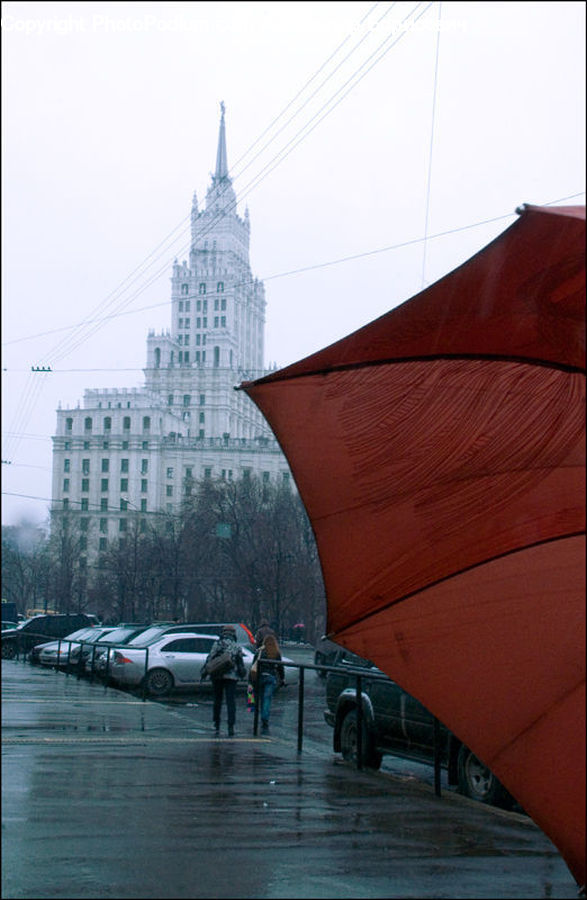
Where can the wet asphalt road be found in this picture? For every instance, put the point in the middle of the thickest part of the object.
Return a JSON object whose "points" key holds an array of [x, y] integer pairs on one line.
{"points": [[104, 795]]}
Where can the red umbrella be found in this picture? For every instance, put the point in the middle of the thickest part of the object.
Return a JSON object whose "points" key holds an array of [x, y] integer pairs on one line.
{"points": [[440, 454]]}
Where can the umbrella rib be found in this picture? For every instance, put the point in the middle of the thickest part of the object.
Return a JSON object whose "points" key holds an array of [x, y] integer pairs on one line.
{"points": [[363, 364], [354, 622]]}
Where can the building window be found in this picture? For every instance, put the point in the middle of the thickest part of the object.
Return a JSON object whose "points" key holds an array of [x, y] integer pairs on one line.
{"points": [[122, 525], [188, 472], [216, 357], [67, 445], [103, 504], [186, 356], [66, 465], [170, 400], [85, 485], [83, 543], [198, 323], [125, 445], [217, 304], [145, 445], [207, 474], [170, 472], [180, 323], [124, 484], [198, 339], [187, 399], [85, 466], [202, 433], [285, 477], [104, 484], [202, 288], [143, 506], [104, 526], [215, 321], [202, 399], [223, 321], [184, 289], [146, 423], [223, 303], [103, 545], [66, 484], [69, 424], [105, 445], [187, 305], [87, 424], [199, 306], [204, 322], [202, 417], [105, 465], [86, 445], [169, 490], [126, 423], [144, 485], [107, 423], [181, 305], [124, 465], [144, 466], [266, 477], [187, 324], [84, 524], [123, 505], [84, 504], [65, 503], [246, 474], [220, 287], [186, 340]]}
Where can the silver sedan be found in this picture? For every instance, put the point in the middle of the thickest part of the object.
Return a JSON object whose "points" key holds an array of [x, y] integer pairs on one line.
{"points": [[172, 661]]}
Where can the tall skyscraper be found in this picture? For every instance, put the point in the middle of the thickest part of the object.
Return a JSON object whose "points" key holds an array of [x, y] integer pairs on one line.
{"points": [[143, 449]]}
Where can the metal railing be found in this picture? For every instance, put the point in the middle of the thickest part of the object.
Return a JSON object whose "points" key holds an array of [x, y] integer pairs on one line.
{"points": [[359, 675]]}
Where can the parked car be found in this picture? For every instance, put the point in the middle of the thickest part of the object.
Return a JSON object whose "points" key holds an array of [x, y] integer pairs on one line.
{"points": [[174, 661], [40, 629], [243, 636], [55, 653], [96, 655], [8, 626], [396, 723]]}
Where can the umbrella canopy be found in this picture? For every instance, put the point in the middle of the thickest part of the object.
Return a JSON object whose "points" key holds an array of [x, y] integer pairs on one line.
{"points": [[440, 454]]}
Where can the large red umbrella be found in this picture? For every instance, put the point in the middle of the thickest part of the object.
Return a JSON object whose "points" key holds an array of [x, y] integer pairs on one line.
{"points": [[440, 454]]}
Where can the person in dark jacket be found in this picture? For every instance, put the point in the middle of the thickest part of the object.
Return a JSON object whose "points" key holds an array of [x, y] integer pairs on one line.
{"points": [[225, 684], [270, 677], [262, 631]]}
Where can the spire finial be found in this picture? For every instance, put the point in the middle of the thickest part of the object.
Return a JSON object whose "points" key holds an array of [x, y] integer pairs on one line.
{"points": [[221, 159]]}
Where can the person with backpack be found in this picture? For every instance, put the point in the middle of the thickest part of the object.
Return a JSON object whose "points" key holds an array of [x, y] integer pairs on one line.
{"points": [[224, 665]]}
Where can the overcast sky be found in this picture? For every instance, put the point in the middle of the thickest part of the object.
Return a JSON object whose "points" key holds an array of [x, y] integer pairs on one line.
{"points": [[351, 128]]}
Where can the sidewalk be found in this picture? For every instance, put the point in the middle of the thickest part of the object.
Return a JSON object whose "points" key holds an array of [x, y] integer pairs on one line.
{"points": [[104, 795]]}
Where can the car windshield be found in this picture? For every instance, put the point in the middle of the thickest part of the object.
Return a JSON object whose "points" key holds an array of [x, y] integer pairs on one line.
{"points": [[79, 634], [146, 637], [95, 634], [116, 635]]}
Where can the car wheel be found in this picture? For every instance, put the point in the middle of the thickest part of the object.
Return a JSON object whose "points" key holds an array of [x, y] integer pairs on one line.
{"points": [[8, 651], [159, 682], [348, 741], [479, 783]]}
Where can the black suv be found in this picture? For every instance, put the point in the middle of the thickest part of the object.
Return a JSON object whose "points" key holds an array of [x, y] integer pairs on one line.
{"points": [[396, 723], [41, 628]]}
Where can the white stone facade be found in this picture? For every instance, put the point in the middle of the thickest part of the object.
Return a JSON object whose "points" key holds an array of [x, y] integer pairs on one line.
{"points": [[141, 449]]}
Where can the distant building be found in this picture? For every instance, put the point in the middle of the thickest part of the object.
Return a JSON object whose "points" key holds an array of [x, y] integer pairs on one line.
{"points": [[144, 448]]}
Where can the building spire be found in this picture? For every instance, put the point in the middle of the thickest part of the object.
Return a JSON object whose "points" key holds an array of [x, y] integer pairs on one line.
{"points": [[221, 159]]}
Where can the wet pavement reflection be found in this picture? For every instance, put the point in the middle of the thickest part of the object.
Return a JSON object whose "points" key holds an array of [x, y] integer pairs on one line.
{"points": [[105, 795]]}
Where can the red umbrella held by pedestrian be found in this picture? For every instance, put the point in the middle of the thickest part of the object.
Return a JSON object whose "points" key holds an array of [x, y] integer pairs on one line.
{"points": [[440, 454]]}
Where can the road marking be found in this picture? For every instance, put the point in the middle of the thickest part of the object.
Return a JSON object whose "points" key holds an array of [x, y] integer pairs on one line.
{"points": [[128, 739]]}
